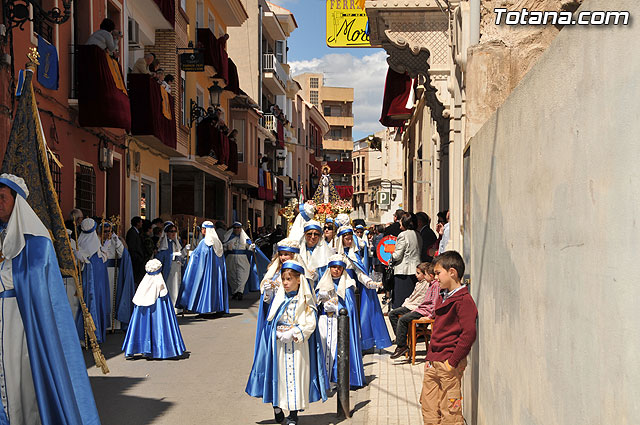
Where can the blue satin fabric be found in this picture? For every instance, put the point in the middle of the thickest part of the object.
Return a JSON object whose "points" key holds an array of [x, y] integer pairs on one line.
{"points": [[204, 286], [263, 309], [154, 331], [259, 264], [166, 257], [59, 374], [263, 380], [95, 288], [356, 366], [125, 289], [372, 325]]}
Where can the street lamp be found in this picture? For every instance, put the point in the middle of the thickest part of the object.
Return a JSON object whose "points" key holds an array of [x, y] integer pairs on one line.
{"points": [[214, 94]]}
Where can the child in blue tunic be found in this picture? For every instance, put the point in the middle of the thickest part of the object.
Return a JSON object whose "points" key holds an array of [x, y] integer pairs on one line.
{"points": [[153, 330], [287, 249], [373, 328], [336, 290], [289, 370]]}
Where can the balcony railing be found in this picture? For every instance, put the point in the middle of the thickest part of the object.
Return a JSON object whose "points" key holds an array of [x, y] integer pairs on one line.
{"points": [[268, 121], [270, 63]]}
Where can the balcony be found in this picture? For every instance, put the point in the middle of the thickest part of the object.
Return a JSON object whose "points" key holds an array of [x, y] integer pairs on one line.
{"points": [[103, 100], [345, 144], [274, 76], [268, 121], [339, 121], [247, 176], [158, 14], [152, 114]]}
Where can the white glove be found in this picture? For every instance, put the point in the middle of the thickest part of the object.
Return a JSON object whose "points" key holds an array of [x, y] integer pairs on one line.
{"points": [[176, 255], [330, 307], [81, 257], [373, 285], [114, 238], [252, 247], [188, 247], [323, 296], [286, 336]]}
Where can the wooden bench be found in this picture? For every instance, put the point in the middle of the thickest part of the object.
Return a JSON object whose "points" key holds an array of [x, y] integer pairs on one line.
{"points": [[418, 327]]}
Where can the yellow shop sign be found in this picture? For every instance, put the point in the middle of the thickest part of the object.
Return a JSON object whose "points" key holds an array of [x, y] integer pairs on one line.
{"points": [[346, 24]]}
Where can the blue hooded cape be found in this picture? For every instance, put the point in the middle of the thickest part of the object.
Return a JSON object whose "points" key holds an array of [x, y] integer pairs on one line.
{"points": [[263, 380], [126, 289], [95, 288], [259, 264], [204, 286], [372, 325], [356, 366], [166, 257], [57, 365]]}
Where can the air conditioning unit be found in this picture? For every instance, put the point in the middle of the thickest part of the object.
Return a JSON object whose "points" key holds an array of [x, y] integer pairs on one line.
{"points": [[134, 32]]}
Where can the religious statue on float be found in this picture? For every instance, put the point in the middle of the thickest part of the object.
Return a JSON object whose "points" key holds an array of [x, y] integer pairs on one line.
{"points": [[326, 192]]}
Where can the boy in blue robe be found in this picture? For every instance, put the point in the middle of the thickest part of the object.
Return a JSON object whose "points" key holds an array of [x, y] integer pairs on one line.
{"points": [[289, 371]]}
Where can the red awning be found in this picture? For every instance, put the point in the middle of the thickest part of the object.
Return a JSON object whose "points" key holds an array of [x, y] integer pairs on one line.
{"points": [[345, 192], [168, 10], [147, 116], [397, 89], [102, 101], [341, 167]]}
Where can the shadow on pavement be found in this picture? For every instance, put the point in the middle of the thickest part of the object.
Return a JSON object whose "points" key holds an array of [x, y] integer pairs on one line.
{"points": [[116, 408], [324, 418], [111, 348]]}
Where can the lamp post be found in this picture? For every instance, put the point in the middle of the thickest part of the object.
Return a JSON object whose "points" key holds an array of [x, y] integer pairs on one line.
{"points": [[214, 94]]}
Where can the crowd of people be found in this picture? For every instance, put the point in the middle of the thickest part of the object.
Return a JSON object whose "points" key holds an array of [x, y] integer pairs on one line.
{"points": [[140, 283]]}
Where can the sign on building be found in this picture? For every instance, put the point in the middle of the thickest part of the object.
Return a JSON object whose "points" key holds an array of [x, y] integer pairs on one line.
{"points": [[383, 198], [346, 24], [192, 62]]}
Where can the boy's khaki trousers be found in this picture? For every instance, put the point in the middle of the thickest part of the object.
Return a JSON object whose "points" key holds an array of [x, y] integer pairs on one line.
{"points": [[441, 398]]}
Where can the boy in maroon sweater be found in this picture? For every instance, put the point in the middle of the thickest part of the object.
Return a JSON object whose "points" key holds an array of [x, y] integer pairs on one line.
{"points": [[454, 332]]}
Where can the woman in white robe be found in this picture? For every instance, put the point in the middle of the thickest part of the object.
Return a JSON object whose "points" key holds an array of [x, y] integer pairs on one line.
{"points": [[113, 249], [171, 254]]}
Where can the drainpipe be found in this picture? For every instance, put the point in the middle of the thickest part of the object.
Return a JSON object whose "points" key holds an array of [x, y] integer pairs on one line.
{"points": [[474, 27], [260, 55]]}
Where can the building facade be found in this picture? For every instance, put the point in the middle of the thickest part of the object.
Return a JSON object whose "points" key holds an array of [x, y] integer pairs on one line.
{"points": [[336, 106]]}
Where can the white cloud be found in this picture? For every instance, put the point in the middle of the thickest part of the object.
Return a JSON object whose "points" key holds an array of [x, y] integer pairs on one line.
{"points": [[366, 75]]}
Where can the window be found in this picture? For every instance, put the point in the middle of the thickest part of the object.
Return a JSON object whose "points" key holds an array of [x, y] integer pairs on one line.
{"points": [[336, 133], [313, 82], [327, 111], [281, 51], [56, 173], [86, 189], [336, 111], [200, 15], [41, 26], [200, 97], [183, 98], [314, 97], [239, 125]]}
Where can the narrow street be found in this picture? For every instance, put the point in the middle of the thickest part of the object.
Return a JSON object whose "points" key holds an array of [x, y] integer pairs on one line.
{"points": [[206, 388]]}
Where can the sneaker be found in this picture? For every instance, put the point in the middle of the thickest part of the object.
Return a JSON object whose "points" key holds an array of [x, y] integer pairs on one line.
{"points": [[399, 352]]}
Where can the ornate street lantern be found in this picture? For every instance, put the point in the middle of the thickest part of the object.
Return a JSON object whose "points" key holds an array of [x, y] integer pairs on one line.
{"points": [[16, 13]]}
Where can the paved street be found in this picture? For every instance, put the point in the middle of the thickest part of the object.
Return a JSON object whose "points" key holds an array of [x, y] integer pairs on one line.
{"points": [[208, 387]]}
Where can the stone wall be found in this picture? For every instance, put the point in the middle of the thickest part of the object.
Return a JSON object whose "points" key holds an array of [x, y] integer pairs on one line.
{"points": [[504, 55], [554, 195]]}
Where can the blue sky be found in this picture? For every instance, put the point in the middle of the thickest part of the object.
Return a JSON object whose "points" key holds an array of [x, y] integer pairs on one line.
{"points": [[364, 69]]}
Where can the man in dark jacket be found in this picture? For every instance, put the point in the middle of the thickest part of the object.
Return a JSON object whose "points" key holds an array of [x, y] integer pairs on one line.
{"points": [[429, 237], [136, 249], [394, 228]]}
